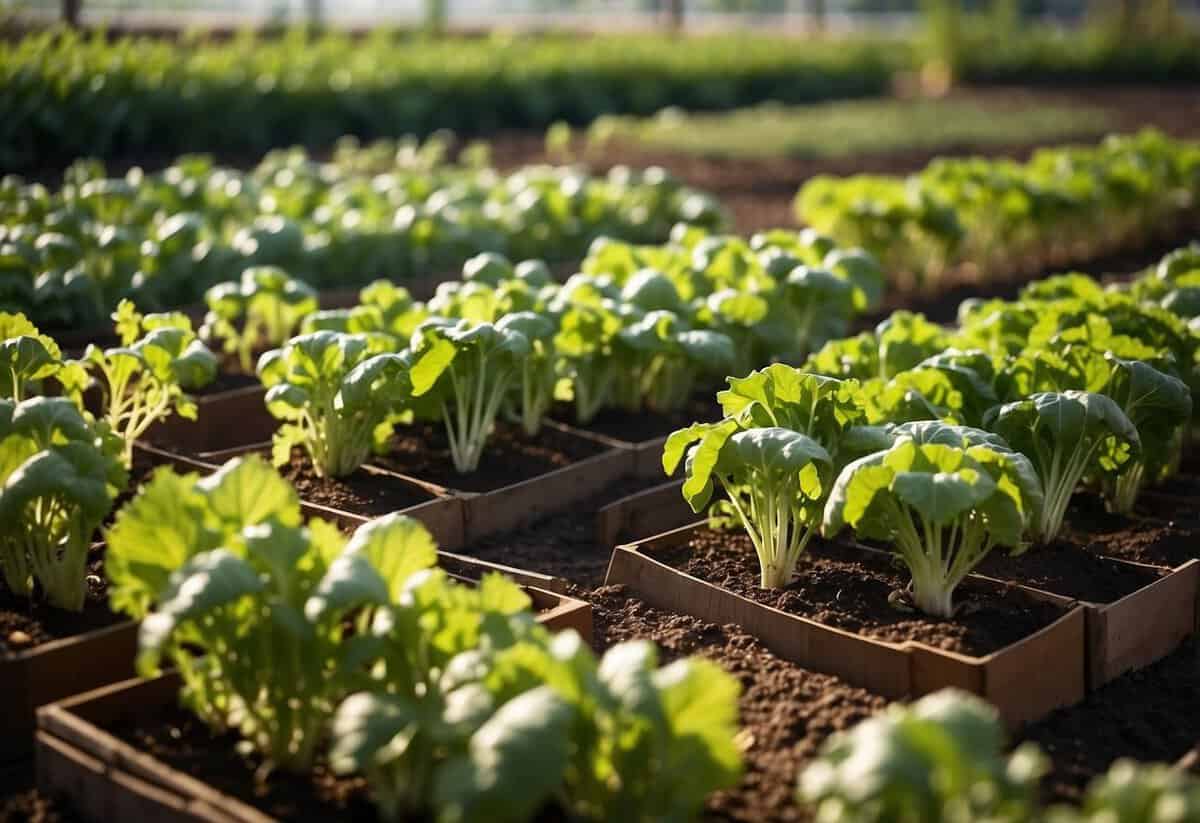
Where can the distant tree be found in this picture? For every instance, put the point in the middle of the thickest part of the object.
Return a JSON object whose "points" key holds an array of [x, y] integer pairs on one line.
{"points": [[70, 11]]}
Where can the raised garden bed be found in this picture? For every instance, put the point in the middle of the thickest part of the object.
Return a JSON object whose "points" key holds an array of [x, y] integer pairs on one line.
{"points": [[102, 750], [643, 432], [911, 657]]}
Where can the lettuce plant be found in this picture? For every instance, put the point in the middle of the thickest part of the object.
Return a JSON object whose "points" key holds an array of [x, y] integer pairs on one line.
{"points": [[1066, 435], [338, 396], [585, 344], [467, 369], [254, 609], [943, 508], [261, 309], [59, 475], [144, 380], [941, 759]]}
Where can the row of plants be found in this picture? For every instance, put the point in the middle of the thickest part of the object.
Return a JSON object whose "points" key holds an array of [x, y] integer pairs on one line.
{"points": [[396, 209], [946, 443], [1063, 205], [65, 94], [639, 327]]}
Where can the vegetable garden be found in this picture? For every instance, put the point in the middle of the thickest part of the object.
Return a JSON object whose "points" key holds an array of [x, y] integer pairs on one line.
{"points": [[398, 482]]}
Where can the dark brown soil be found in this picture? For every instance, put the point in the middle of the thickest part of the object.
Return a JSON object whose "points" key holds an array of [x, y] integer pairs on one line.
{"points": [[1163, 531], [178, 739], [1071, 569], [849, 589], [362, 492], [511, 456], [21, 803], [787, 711], [34, 623], [645, 425], [1149, 715], [562, 545]]}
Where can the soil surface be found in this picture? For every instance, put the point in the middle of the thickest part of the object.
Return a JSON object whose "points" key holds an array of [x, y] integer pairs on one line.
{"points": [[630, 427], [561, 545], [1149, 715], [850, 590], [360, 493], [511, 456], [1070, 569], [787, 711], [26, 624]]}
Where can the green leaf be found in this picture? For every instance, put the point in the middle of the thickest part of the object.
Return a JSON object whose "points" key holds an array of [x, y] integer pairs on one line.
{"points": [[515, 762]]}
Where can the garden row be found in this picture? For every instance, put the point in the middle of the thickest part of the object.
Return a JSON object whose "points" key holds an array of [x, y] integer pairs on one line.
{"points": [[394, 209], [1085, 384], [1064, 206], [65, 95]]}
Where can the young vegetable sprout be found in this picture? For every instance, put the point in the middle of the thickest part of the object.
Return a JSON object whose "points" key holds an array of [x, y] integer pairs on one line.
{"points": [[145, 379]]}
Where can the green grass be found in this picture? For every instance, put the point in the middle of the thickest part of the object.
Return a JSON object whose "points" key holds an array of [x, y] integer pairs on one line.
{"points": [[857, 128]]}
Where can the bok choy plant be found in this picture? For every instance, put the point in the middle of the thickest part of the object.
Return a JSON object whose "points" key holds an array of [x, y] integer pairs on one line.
{"points": [[260, 310], [145, 379], [338, 395], [773, 455], [942, 507], [59, 475], [1066, 435], [467, 369]]}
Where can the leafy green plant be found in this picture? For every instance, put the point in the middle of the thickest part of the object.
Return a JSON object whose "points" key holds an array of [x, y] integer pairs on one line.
{"points": [[941, 759], [251, 623], [467, 369], [59, 475], [260, 310], [1159, 406], [145, 379], [942, 507], [28, 357], [501, 730], [1131, 792], [539, 370], [338, 395], [1066, 435]]}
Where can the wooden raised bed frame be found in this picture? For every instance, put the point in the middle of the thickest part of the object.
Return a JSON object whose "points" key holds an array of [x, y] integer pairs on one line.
{"points": [[1143, 626], [1006, 678], [108, 779]]}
